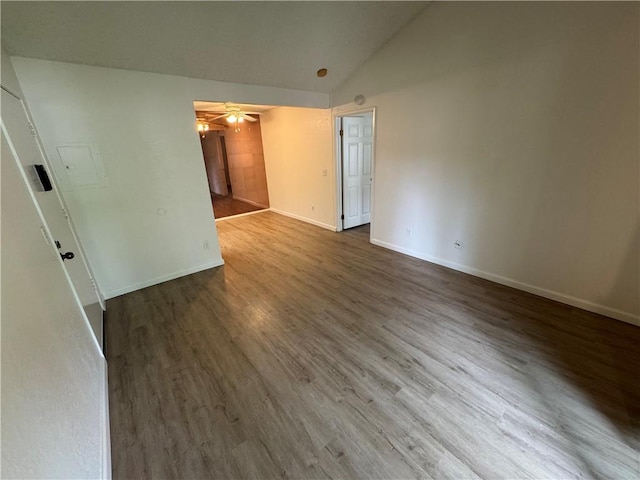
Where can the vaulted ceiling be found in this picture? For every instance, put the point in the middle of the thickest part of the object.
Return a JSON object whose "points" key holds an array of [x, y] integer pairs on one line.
{"points": [[280, 44]]}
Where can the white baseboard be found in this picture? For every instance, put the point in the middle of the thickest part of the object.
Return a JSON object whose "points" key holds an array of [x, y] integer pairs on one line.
{"points": [[106, 429], [543, 292], [231, 217], [304, 219], [250, 202], [162, 279]]}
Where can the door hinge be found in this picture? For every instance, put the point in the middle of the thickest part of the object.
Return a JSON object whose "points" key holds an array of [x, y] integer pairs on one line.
{"points": [[32, 129], [341, 132], [65, 213]]}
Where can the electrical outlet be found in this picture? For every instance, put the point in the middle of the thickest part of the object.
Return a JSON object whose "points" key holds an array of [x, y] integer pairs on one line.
{"points": [[205, 245], [324, 172], [313, 208], [409, 232], [458, 244]]}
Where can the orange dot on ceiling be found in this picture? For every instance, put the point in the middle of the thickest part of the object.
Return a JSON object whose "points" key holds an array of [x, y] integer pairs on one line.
{"points": [[322, 72]]}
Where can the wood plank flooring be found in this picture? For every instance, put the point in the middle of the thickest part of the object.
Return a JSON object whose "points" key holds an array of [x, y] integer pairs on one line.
{"points": [[227, 206], [314, 354]]}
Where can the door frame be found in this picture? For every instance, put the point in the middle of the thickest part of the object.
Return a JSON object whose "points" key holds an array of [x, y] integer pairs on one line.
{"points": [[338, 114], [58, 192], [44, 228]]}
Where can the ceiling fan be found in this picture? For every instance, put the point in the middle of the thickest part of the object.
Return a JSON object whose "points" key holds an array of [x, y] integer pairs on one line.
{"points": [[234, 114]]}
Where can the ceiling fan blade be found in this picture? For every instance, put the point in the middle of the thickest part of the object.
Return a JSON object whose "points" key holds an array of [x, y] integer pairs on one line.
{"points": [[247, 117], [219, 116]]}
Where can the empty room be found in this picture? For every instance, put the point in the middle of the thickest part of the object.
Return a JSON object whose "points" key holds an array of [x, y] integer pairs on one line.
{"points": [[428, 265]]}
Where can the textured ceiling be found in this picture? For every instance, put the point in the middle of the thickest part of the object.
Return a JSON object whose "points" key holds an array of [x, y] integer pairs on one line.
{"points": [[280, 44]]}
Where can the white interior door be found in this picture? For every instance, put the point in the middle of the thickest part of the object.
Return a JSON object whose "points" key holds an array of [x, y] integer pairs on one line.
{"points": [[52, 375], [357, 151], [23, 138]]}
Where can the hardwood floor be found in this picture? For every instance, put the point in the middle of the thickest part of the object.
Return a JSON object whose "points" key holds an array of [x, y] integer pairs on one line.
{"points": [[228, 206], [314, 354]]}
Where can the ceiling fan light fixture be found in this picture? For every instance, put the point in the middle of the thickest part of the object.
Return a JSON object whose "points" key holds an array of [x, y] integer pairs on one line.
{"points": [[232, 118], [203, 127]]}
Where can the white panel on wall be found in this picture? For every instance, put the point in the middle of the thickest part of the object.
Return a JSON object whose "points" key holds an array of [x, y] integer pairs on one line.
{"points": [[79, 166]]}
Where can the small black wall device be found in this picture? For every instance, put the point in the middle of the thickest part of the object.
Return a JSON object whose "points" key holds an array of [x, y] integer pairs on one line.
{"points": [[41, 172]]}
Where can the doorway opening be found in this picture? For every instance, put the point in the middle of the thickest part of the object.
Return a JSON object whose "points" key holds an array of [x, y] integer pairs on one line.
{"points": [[354, 134], [231, 140]]}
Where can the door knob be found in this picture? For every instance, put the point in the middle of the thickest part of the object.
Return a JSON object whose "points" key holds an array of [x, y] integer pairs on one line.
{"points": [[67, 256]]}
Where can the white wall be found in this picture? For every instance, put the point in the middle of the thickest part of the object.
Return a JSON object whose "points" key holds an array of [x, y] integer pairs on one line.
{"points": [[513, 127], [144, 127], [297, 145], [54, 399], [9, 79]]}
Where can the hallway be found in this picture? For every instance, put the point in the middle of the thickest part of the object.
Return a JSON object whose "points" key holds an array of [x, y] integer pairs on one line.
{"points": [[228, 206]]}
